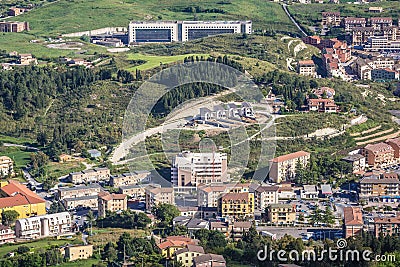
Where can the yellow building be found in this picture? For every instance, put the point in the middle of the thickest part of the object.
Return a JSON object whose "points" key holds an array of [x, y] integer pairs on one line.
{"points": [[16, 196], [282, 213], [173, 243], [185, 255], [82, 252], [237, 205]]}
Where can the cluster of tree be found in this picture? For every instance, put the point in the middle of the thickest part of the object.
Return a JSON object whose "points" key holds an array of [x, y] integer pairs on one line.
{"points": [[56, 207], [319, 216], [198, 9], [125, 76], [165, 213], [126, 219], [223, 60], [40, 258], [8, 217]]}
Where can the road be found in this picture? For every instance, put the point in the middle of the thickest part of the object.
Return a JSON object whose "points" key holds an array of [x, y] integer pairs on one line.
{"points": [[21, 146], [30, 179], [284, 6]]}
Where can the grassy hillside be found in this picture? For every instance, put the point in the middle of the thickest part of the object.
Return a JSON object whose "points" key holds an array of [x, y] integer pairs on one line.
{"points": [[66, 16], [311, 14]]}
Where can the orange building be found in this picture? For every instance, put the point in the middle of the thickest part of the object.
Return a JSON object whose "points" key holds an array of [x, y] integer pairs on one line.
{"points": [[353, 221], [379, 155]]}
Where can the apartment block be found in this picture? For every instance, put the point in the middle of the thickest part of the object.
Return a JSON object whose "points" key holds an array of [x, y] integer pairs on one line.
{"points": [[42, 226], [7, 235], [352, 222], [357, 161], [78, 252], [323, 105], [134, 191], [13, 26], [264, 196], [208, 195], [379, 155], [283, 168], [331, 19], [71, 203], [88, 176], [6, 166], [111, 202], [379, 23], [282, 213], [238, 229], [237, 205], [129, 178], [156, 194], [387, 226], [306, 68], [185, 255], [385, 75], [351, 23], [78, 191], [381, 189], [193, 169], [209, 260]]}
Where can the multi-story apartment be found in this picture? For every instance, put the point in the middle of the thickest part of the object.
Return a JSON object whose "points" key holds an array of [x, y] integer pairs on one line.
{"points": [[264, 196], [351, 23], [78, 252], [181, 31], [87, 176], [395, 143], [170, 244], [208, 195], [13, 26], [209, 260], [16, 196], [6, 166], [185, 255], [307, 68], [379, 155], [129, 178], [78, 191], [111, 202], [385, 75], [238, 229], [156, 194], [42, 226], [71, 203], [283, 168], [193, 169], [381, 44], [380, 23], [387, 226], [237, 205], [134, 191], [228, 111], [282, 213], [357, 161], [352, 222], [381, 189], [7, 235], [364, 67], [331, 19]]}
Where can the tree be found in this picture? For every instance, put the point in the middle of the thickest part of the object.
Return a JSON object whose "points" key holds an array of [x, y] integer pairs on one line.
{"points": [[8, 217], [316, 216], [22, 249], [165, 213], [42, 138], [328, 216], [39, 160], [110, 254], [56, 207]]}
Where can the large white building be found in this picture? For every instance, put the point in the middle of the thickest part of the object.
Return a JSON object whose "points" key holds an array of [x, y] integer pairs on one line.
{"points": [[193, 169], [42, 226], [6, 166], [181, 31]]}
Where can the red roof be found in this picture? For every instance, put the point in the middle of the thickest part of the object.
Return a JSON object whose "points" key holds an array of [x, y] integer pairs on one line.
{"points": [[353, 216], [290, 156], [14, 189]]}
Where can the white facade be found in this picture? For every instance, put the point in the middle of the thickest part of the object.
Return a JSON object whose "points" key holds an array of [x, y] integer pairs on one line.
{"points": [[182, 31], [43, 226]]}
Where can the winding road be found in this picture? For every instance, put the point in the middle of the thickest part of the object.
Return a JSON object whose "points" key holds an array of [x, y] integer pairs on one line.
{"points": [[284, 6]]}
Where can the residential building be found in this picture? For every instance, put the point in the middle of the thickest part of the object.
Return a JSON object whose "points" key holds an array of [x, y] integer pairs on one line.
{"points": [[13, 26], [78, 191], [282, 213], [195, 224], [395, 144], [208, 195], [331, 19], [379, 155], [309, 192], [380, 23], [239, 229], [353, 221], [209, 260], [6, 166], [380, 189], [326, 191], [283, 168], [286, 193], [193, 169], [237, 205], [129, 178], [363, 67], [157, 194], [351, 22], [222, 227], [357, 161], [134, 191], [185, 255], [7, 235], [87, 176], [78, 252], [171, 244], [387, 226], [265, 195], [307, 68], [16, 11], [45, 225], [182, 31], [94, 153], [26, 59], [72, 203], [189, 211], [16, 196], [322, 105], [65, 157], [383, 43], [385, 75], [111, 202], [228, 111], [375, 9], [324, 92]]}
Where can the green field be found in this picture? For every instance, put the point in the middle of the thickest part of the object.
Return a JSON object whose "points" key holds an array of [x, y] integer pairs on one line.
{"points": [[155, 61], [42, 243], [79, 263], [20, 156], [66, 16]]}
